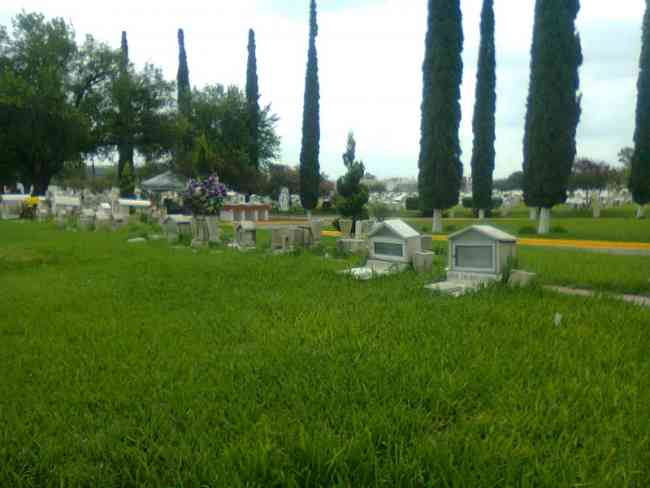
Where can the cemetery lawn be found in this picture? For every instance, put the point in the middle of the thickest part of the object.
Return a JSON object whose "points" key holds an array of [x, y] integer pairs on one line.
{"points": [[146, 365], [604, 229]]}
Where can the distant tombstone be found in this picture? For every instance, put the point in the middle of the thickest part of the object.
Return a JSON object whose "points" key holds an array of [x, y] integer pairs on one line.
{"points": [[287, 238], [177, 225], [246, 234], [62, 219], [10, 206], [295, 201], [43, 210], [362, 229], [126, 205], [427, 243], [346, 227], [87, 220], [67, 204], [423, 262], [316, 227], [285, 200]]}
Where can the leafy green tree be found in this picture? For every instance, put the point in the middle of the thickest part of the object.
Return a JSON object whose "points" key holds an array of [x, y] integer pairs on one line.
{"points": [[350, 154], [484, 123], [592, 177], [352, 194], [440, 168], [625, 156], [221, 141], [553, 106], [252, 98], [92, 84], [513, 182], [309, 154], [640, 167], [280, 176], [141, 113], [589, 175], [40, 129]]}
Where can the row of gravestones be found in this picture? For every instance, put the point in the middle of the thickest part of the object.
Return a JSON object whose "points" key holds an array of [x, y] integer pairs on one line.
{"points": [[203, 231], [289, 238]]}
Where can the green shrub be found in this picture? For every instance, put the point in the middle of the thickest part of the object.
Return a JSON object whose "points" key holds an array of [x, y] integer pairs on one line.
{"points": [[413, 203], [379, 211], [527, 230], [468, 202], [451, 228], [558, 229]]}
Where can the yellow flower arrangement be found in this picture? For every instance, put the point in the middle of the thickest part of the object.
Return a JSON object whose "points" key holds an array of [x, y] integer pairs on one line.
{"points": [[32, 201]]}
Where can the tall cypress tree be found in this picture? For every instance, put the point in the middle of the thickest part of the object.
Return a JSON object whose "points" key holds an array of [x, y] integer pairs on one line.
{"points": [[125, 143], [441, 170], [252, 97], [640, 176], [183, 79], [484, 124], [309, 165], [553, 110]]}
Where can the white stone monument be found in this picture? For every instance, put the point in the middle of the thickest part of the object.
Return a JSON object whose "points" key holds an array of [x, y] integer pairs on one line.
{"points": [[246, 234], [285, 200]]}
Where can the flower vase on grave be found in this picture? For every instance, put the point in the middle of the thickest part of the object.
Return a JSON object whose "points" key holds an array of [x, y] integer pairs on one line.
{"points": [[205, 197], [214, 231], [200, 232]]}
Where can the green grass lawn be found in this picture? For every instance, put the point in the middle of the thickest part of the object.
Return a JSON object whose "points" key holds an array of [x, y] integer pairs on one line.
{"points": [[146, 365], [604, 229]]}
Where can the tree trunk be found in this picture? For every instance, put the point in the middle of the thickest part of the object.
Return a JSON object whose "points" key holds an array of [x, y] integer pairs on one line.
{"points": [[437, 221], [544, 221], [41, 183], [481, 214], [596, 207], [640, 212], [533, 213], [309, 215]]}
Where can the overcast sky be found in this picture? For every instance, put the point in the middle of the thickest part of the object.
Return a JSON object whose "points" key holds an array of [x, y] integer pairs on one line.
{"points": [[370, 61]]}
